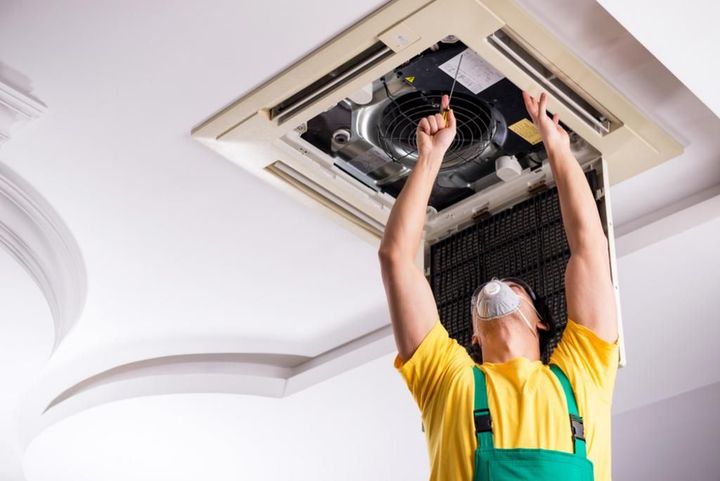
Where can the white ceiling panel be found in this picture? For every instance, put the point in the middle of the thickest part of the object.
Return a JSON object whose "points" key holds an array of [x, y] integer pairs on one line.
{"points": [[682, 35]]}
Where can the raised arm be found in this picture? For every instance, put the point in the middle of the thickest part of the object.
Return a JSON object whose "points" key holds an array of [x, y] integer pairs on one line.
{"points": [[588, 284], [412, 306]]}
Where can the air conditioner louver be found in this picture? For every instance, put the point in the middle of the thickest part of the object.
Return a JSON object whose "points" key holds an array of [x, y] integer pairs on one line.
{"points": [[544, 75], [330, 82], [326, 198]]}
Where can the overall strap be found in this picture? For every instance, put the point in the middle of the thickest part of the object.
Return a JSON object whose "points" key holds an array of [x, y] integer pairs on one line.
{"points": [[576, 422], [481, 412]]}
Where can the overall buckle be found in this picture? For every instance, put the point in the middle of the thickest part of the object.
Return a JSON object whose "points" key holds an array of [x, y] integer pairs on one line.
{"points": [[483, 421], [577, 427]]}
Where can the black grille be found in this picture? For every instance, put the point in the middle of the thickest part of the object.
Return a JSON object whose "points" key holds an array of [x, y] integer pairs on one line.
{"points": [[526, 241], [476, 126]]}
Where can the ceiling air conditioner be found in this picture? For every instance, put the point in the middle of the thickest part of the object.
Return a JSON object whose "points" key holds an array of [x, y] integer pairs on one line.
{"points": [[337, 128], [340, 122]]}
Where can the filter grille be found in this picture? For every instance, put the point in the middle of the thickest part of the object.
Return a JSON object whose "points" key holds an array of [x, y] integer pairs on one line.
{"points": [[527, 241]]}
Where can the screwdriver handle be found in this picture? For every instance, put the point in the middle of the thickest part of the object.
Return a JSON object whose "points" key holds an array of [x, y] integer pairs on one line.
{"points": [[445, 115]]}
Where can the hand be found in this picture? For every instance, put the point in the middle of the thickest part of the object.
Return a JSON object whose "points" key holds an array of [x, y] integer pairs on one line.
{"points": [[555, 138], [433, 136]]}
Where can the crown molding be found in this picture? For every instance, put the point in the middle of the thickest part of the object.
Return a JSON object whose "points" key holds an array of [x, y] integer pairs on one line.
{"points": [[16, 108], [36, 236]]}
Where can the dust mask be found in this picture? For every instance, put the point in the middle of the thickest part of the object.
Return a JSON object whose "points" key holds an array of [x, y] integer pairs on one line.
{"points": [[496, 299]]}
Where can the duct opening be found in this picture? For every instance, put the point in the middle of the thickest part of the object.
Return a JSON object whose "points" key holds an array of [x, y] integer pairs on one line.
{"points": [[371, 135]]}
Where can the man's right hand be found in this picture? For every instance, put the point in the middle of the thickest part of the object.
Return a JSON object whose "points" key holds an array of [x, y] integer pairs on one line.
{"points": [[434, 137]]}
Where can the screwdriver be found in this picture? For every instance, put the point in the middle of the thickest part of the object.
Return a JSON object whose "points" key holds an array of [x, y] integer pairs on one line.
{"points": [[452, 89]]}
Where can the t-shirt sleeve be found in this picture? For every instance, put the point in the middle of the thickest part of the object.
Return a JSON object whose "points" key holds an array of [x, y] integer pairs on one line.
{"points": [[587, 356], [435, 359]]}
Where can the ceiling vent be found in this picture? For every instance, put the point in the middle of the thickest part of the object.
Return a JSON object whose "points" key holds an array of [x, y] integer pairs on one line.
{"points": [[338, 126]]}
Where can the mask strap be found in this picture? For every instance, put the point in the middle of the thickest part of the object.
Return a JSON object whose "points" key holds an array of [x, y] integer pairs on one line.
{"points": [[527, 322]]}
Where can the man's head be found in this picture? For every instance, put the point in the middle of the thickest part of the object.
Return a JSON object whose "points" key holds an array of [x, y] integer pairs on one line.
{"points": [[532, 322]]}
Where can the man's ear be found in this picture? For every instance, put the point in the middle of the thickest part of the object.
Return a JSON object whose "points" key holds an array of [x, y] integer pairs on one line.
{"points": [[475, 340], [543, 326]]}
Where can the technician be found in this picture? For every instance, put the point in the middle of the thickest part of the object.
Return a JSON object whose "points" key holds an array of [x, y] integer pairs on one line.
{"points": [[537, 406]]}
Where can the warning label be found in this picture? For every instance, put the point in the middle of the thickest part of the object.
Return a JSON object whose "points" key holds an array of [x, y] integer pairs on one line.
{"points": [[527, 131]]}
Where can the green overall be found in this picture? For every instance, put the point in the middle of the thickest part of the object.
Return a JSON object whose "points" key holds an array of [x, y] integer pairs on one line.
{"points": [[525, 464]]}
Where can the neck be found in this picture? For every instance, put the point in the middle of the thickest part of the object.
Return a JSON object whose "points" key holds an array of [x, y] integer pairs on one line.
{"points": [[504, 340]]}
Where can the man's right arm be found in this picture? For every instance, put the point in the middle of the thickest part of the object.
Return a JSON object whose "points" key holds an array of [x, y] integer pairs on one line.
{"points": [[412, 306]]}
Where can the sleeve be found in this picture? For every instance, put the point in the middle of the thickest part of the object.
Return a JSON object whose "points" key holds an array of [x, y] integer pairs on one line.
{"points": [[582, 354], [437, 356]]}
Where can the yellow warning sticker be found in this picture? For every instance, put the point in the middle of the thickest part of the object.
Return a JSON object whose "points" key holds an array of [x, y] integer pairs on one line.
{"points": [[527, 131], [410, 79]]}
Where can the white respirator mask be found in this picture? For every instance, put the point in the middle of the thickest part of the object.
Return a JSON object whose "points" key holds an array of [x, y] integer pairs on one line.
{"points": [[496, 299]]}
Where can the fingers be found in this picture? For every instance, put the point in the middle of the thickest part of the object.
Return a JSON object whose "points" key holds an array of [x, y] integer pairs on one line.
{"points": [[424, 126], [444, 102], [451, 119], [530, 105], [543, 105], [538, 109], [432, 123]]}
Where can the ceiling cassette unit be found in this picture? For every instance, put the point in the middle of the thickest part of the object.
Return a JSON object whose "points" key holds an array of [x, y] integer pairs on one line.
{"points": [[337, 129]]}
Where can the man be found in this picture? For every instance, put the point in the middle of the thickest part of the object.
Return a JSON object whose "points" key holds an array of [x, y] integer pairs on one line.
{"points": [[527, 410]]}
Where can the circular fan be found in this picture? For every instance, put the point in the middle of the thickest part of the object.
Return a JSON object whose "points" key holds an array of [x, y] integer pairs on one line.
{"points": [[477, 124]]}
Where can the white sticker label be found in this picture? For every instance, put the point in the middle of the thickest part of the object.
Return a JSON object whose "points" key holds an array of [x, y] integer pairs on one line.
{"points": [[475, 73]]}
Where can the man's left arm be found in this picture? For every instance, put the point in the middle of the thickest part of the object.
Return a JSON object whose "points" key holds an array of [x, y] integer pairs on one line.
{"points": [[588, 284]]}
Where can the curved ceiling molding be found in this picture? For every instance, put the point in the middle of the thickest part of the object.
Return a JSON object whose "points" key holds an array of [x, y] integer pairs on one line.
{"points": [[258, 374], [36, 236], [16, 108], [262, 367]]}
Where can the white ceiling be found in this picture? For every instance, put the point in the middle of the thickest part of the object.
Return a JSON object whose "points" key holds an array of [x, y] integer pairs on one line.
{"points": [[25, 344], [682, 35], [186, 253]]}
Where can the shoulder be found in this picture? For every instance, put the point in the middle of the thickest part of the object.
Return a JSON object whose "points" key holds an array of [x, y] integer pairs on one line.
{"points": [[584, 356], [437, 361]]}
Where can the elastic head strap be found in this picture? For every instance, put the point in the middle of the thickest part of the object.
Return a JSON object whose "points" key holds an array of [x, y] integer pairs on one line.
{"points": [[576, 422], [481, 412], [524, 285]]}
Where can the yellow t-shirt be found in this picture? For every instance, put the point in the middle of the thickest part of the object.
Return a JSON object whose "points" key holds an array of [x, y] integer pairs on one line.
{"points": [[525, 398]]}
